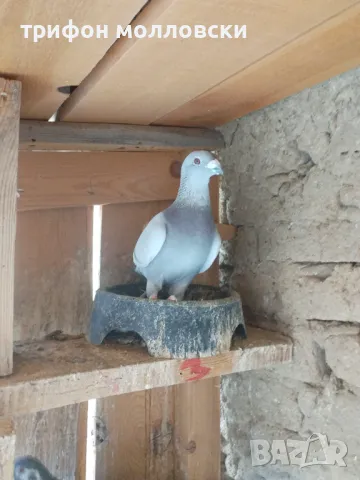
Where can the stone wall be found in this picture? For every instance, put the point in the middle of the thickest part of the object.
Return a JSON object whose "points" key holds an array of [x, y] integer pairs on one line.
{"points": [[292, 186]]}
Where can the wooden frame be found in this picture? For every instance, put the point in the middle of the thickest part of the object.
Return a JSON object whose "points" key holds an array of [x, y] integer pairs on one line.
{"points": [[133, 172], [9, 132]]}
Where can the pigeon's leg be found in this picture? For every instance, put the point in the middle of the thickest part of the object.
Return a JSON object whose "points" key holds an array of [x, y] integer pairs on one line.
{"points": [[177, 291], [152, 290]]}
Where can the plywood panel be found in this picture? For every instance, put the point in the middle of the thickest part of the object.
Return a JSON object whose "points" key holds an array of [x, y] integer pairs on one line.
{"points": [[49, 180], [52, 273], [135, 82], [54, 62], [9, 141], [323, 52]]}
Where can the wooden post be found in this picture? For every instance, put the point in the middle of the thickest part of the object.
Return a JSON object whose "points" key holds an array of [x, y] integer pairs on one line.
{"points": [[9, 141], [7, 449]]}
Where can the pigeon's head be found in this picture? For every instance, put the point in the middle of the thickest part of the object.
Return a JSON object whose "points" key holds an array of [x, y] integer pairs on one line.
{"points": [[30, 468], [201, 164]]}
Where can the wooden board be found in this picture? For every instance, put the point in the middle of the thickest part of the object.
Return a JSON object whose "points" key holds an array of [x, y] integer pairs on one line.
{"points": [[54, 373], [50, 436], [197, 430], [50, 180], [53, 292], [51, 63], [321, 53], [135, 82], [36, 135], [52, 273], [7, 449], [9, 141]]}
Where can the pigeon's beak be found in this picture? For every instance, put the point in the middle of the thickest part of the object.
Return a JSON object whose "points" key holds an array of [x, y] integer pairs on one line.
{"points": [[215, 167]]}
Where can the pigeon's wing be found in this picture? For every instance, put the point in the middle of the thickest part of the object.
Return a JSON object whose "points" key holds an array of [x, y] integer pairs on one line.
{"points": [[150, 241], [214, 250]]}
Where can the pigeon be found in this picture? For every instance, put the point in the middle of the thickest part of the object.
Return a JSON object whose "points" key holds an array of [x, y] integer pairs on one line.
{"points": [[181, 241], [30, 468]]}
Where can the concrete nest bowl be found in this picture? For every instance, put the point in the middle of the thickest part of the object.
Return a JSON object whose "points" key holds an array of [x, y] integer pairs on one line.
{"points": [[199, 326]]}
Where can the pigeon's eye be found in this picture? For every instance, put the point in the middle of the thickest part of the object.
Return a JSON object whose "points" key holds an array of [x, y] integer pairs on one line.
{"points": [[197, 161]]}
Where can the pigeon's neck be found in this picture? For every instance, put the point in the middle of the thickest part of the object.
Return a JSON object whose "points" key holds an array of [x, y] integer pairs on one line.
{"points": [[193, 191]]}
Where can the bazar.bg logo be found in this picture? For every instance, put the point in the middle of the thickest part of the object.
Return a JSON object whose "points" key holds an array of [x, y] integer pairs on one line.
{"points": [[299, 452]]}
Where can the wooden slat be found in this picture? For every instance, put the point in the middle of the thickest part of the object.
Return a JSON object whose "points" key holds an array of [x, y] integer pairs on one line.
{"points": [[55, 62], [7, 449], [50, 436], [50, 180], [124, 453], [52, 273], [53, 292], [80, 473], [325, 51], [9, 132], [36, 135], [197, 430], [135, 83], [53, 373]]}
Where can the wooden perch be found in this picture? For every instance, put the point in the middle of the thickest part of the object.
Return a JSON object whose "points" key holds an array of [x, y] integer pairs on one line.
{"points": [[55, 136], [52, 373]]}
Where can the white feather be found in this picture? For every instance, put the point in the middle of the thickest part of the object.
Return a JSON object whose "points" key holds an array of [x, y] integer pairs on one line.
{"points": [[150, 241]]}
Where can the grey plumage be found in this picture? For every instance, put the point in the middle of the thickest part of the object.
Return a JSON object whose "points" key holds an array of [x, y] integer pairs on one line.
{"points": [[181, 241], [30, 468]]}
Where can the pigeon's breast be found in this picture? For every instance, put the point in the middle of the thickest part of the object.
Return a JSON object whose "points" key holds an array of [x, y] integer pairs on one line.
{"points": [[189, 238]]}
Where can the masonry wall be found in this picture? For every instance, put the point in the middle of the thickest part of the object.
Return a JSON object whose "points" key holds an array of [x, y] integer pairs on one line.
{"points": [[292, 186]]}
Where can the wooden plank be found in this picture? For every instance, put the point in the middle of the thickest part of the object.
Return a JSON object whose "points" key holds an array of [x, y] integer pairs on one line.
{"points": [[52, 273], [53, 293], [160, 422], [124, 418], [7, 449], [50, 436], [80, 473], [197, 430], [54, 62], [9, 132], [321, 53], [136, 72], [51, 180], [36, 135], [54, 373]]}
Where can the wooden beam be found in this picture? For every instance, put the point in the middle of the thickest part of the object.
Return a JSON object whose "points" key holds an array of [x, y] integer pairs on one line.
{"points": [[134, 82], [49, 63], [7, 449], [53, 373], [53, 179], [36, 135], [9, 138], [322, 52]]}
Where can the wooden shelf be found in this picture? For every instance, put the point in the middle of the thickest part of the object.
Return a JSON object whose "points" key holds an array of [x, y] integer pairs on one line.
{"points": [[54, 373]]}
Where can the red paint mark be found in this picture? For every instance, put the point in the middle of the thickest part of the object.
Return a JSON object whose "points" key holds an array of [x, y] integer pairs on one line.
{"points": [[115, 388], [194, 364]]}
